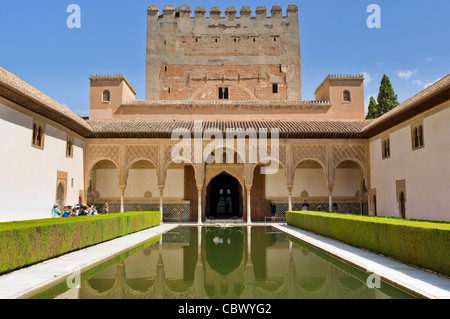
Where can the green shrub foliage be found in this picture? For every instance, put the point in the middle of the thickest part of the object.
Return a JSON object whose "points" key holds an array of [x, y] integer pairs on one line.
{"points": [[419, 243], [28, 242]]}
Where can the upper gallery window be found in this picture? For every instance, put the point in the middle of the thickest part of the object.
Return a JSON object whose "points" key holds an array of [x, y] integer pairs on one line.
{"points": [[346, 96], [386, 148], [69, 146], [106, 97], [417, 136], [38, 135]]}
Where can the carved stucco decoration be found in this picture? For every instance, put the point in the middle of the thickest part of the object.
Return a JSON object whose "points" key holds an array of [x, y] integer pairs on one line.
{"points": [[316, 153], [144, 152], [357, 153], [99, 152]]}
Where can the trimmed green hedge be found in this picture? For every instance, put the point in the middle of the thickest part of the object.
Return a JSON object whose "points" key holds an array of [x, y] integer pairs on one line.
{"points": [[25, 243], [419, 243]]}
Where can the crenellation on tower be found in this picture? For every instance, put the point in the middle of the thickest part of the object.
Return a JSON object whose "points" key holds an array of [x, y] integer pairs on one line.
{"points": [[153, 11], [276, 12], [170, 13], [183, 12], [230, 13], [292, 10], [215, 12], [261, 12], [246, 12], [200, 12]]}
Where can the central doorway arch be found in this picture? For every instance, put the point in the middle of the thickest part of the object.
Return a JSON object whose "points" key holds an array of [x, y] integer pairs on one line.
{"points": [[224, 199]]}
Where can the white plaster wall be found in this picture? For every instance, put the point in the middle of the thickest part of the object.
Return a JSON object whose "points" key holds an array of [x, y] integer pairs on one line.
{"points": [[174, 187], [346, 184], [140, 181], [107, 182], [346, 181], [29, 175], [276, 184], [426, 170], [311, 180]]}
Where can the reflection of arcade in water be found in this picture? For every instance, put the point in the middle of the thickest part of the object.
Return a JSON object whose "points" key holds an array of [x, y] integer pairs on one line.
{"points": [[213, 262]]}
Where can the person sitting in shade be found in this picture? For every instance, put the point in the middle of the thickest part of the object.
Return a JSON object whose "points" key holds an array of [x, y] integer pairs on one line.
{"points": [[305, 206], [55, 211], [105, 209], [273, 211], [336, 208]]}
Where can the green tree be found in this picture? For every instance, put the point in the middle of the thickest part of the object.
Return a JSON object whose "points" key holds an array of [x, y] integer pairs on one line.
{"points": [[374, 110], [387, 99]]}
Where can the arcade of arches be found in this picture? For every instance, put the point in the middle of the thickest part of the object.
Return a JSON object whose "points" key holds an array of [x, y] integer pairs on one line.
{"points": [[139, 174]]}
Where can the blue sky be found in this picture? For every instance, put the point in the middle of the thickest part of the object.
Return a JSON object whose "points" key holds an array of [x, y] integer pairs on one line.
{"points": [[412, 46]]}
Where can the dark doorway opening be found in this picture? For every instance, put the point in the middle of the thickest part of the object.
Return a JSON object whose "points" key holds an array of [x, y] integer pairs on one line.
{"points": [[402, 205], [224, 198]]}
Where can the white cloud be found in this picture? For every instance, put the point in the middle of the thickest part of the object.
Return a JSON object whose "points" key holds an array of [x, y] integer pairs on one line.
{"points": [[418, 82], [367, 78], [406, 75], [430, 59]]}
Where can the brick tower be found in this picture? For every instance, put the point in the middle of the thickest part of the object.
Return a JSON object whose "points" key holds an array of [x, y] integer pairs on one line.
{"points": [[223, 57]]}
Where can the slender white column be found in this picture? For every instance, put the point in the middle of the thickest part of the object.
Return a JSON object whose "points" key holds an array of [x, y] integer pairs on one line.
{"points": [[330, 200], [290, 198], [199, 209], [122, 192]]}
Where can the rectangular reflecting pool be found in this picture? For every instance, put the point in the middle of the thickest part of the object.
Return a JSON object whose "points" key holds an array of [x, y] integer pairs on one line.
{"points": [[207, 262]]}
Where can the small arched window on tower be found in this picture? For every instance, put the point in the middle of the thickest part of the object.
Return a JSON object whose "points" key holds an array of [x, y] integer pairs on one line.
{"points": [[274, 88], [223, 93], [346, 96], [106, 96]]}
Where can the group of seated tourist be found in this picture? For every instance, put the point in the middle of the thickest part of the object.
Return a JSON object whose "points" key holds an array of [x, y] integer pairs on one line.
{"points": [[77, 210]]}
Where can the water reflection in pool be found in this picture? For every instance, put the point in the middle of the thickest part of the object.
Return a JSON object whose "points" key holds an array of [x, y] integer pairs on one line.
{"points": [[215, 262]]}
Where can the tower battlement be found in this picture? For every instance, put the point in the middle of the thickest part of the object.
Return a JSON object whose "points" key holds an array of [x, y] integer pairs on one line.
{"points": [[170, 13]]}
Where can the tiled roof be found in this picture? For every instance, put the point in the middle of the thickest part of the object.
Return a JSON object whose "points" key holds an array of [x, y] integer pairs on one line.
{"points": [[286, 128], [20, 92]]}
